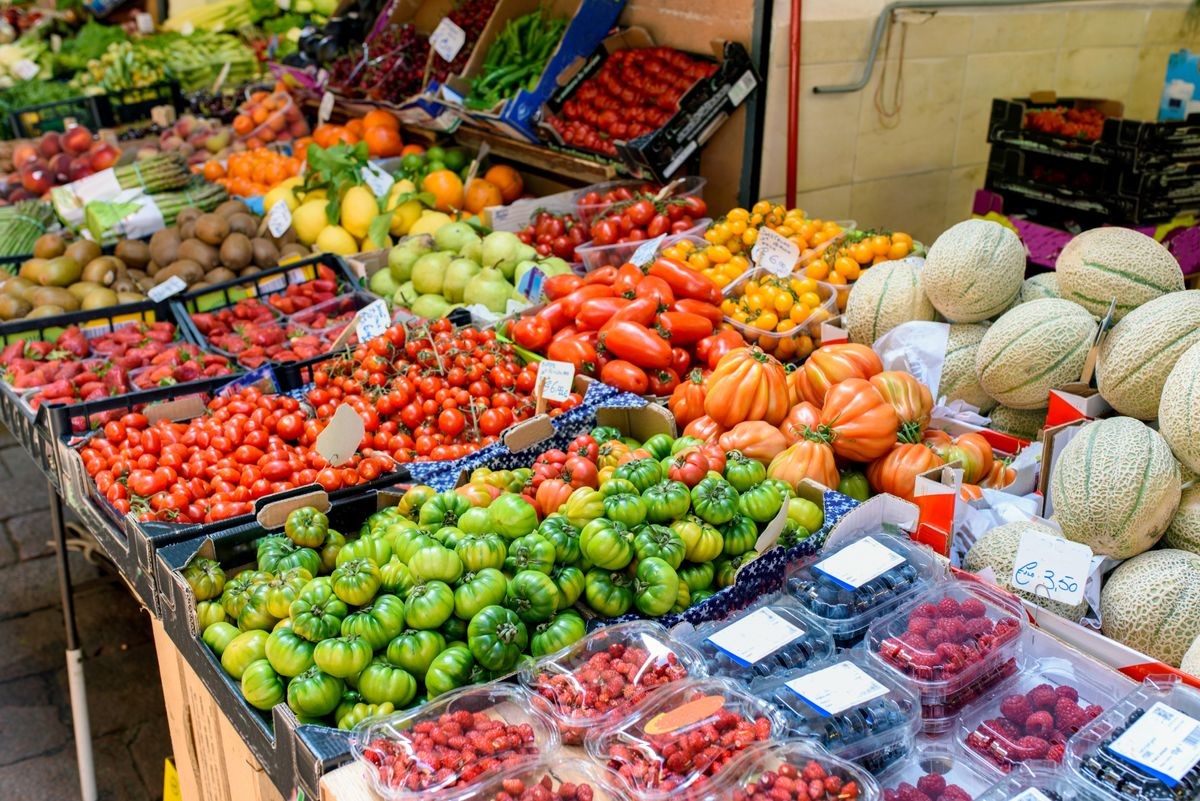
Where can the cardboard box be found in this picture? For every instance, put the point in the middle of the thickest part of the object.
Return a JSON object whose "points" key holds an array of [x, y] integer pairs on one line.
{"points": [[1053, 441]]}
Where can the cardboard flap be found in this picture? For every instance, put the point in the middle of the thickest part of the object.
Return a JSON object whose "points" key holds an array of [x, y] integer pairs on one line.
{"points": [[364, 265], [832, 333], [876, 513], [188, 407], [528, 433], [936, 492], [639, 422], [1053, 442], [273, 510], [1077, 401]]}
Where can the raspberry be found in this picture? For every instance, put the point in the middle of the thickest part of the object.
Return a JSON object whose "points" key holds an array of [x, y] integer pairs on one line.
{"points": [[1064, 691], [978, 626], [1094, 711], [926, 610], [936, 636], [919, 625], [914, 640], [1042, 697], [1032, 747], [909, 793], [951, 654], [932, 784], [1055, 754], [948, 607], [1068, 716], [955, 628], [1039, 724], [973, 607], [1016, 708], [955, 793], [891, 795], [1003, 727]]}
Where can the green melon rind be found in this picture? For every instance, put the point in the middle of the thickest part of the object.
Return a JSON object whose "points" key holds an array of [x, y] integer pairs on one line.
{"points": [[1152, 604], [1139, 352], [1106, 263], [1184, 531], [1191, 659], [1115, 487], [1031, 349], [884, 297], [959, 381], [1023, 423], [1042, 285], [974, 271], [997, 549], [1179, 408]]}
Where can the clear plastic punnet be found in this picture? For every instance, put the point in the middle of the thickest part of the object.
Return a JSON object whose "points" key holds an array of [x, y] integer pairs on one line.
{"points": [[939, 772], [1146, 748], [1030, 716], [1035, 781], [549, 779], [417, 754], [596, 256], [852, 706], [680, 740], [955, 642], [789, 770], [598, 681], [859, 580], [761, 641], [587, 212]]}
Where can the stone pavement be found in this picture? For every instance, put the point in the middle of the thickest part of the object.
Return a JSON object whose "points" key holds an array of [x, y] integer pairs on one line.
{"points": [[129, 727]]}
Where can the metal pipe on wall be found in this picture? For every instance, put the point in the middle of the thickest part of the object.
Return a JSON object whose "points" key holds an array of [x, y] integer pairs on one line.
{"points": [[793, 121]]}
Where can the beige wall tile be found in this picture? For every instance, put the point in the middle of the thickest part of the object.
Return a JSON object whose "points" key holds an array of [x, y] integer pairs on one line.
{"points": [[1105, 72], [1008, 29], [915, 204], [1167, 26], [1103, 27], [992, 75], [826, 41], [1145, 92], [931, 35], [960, 192]]}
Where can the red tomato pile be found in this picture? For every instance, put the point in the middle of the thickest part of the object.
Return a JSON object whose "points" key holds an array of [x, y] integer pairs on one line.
{"points": [[556, 474], [554, 235], [638, 331], [594, 203], [310, 293], [643, 217]]}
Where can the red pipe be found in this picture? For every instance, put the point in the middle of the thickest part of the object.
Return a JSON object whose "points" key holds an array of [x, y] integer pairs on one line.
{"points": [[793, 121]]}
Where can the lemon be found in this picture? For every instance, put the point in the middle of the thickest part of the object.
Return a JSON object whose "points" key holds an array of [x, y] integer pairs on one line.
{"points": [[279, 193], [359, 207], [429, 222], [308, 220], [369, 244], [404, 216], [336, 239]]}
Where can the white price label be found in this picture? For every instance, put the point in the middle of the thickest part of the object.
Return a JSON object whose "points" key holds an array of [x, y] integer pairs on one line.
{"points": [[513, 306], [145, 22], [372, 321], [645, 251], [756, 636], [447, 39], [326, 108], [556, 379], [341, 437], [377, 180], [55, 43], [25, 69], [172, 286], [1030, 794], [836, 688], [860, 562], [775, 253], [1164, 742], [279, 219], [1051, 567]]}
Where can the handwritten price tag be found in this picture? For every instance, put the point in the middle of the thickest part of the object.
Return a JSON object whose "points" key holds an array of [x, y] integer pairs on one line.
{"points": [[341, 437], [645, 251], [377, 180], [326, 108], [25, 69], [279, 219], [447, 39], [1051, 567], [372, 321], [775, 253], [172, 286], [556, 379]]}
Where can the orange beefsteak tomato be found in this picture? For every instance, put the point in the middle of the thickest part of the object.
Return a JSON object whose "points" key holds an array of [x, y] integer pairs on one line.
{"points": [[832, 364], [856, 420], [800, 417], [897, 471], [747, 385], [972, 452], [1000, 476], [794, 377], [805, 459], [704, 428], [687, 401], [909, 397], [756, 439]]}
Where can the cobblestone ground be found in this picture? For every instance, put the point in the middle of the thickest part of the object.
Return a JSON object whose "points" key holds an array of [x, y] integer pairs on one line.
{"points": [[129, 726]]}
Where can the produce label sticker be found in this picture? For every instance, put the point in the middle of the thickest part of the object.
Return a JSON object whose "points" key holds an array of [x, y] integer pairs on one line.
{"points": [[531, 284], [25, 69], [556, 379], [1051, 567], [372, 321], [377, 180], [172, 286], [326, 107], [341, 437], [755, 637], [856, 564], [775, 253], [688, 714], [262, 377], [447, 39], [1030, 794], [744, 86], [645, 251], [836, 688], [1164, 742], [279, 219]]}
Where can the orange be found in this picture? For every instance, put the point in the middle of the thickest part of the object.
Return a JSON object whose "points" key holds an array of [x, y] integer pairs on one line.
{"points": [[447, 189], [412, 148], [259, 115], [345, 135], [242, 125], [355, 127], [507, 180], [481, 194], [213, 170], [383, 142], [326, 134], [380, 118]]}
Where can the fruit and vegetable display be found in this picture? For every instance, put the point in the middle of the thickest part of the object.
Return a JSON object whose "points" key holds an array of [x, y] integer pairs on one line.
{"points": [[64, 277], [516, 59], [643, 216], [55, 159], [390, 68]]}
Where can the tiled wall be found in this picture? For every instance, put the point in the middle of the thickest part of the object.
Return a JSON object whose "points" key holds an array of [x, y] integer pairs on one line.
{"points": [[920, 174]]}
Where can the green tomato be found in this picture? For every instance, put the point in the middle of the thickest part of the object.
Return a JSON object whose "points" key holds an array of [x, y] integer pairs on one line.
{"points": [[700, 596], [454, 630], [805, 513], [477, 551], [449, 536], [383, 518], [377, 623], [477, 590], [238, 590], [643, 473], [785, 489], [283, 588], [277, 553], [667, 501], [415, 650], [442, 509], [475, 520], [618, 486], [334, 542], [395, 577], [210, 612], [428, 605], [317, 614], [727, 568], [307, 527], [449, 670], [792, 535], [247, 647], [436, 563], [261, 686], [853, 483], [217, 636], [556, 633], [697, 575], [742, 472], [512, 516], [407, 546], [565, 537], [314, 693], [255, 614], [626, 508], [376, 550], [740, 535], [655, 587], [205, 577], [356, 581], [496, 637], [659, 446], [606, 544], [714, 500], [760, 503], [583, 505], [350, 698], [659, 541], [342, 656], [530, 552], [360, 712], [570, 582], [702, 542], [381, 682], [603, 434], [683, 600], [610, 594], [532, 595], [684, 442], [288, 652]]}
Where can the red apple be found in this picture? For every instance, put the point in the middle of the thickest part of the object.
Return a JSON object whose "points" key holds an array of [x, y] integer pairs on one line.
{"points": [[80, 169], [104, 156], [60, 165], [50, 145], [35, 179], [24, 153], [77, 139]]}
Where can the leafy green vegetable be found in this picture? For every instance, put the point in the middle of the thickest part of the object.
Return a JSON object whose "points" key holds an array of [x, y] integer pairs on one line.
{"points": [[335, 170]]}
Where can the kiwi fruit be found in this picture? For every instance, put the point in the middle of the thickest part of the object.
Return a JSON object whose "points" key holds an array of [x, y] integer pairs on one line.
{"points": [[199, 285], [202, 253], [232, 207], [219, 275], [249, 271], [61, 271], [102, 270], [135, 254], [187, 215], [236, 251], [266, 255], [130, 297], [49, 310], [14, 308], [243, 224], [54, 296], [164, 246], [187, 230], [83, 251], [153, 267], [99, 298], [123, 284], [287, 238], [49, 246], [294, 250], [188, 270], [80, 289], [212, 228], [32, 268]]}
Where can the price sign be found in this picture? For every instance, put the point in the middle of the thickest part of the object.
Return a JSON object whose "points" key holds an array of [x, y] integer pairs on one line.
{"points": [[377, 180], [531, 284], [775, 253], [341, 437], [1051, 567], [645, 251], [172, 286], [25, 69], [447, 39], [1164, 742], [372, 321], [755, 636], [279, 219], [145, 22], [326, 107], [555, 380]]}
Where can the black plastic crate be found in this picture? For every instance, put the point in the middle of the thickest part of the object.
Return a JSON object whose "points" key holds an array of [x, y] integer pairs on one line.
{"points": [[1088, 208], [1178, 183], [32, 121], [132, 106]]}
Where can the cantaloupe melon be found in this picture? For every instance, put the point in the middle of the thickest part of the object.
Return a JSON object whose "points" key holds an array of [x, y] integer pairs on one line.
{"points": [[885, 296], [1184, 531], [1179, 408], [1152, 604], [1106, 263], [959, 381], [997, 549], [1023, 423], [973, 271], [1191, 659], [1042, 285], [1140, 351], [1032, 348], [1115, 487]]}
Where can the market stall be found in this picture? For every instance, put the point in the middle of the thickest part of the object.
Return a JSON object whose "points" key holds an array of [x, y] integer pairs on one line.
{"points": [[433, 376]]}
